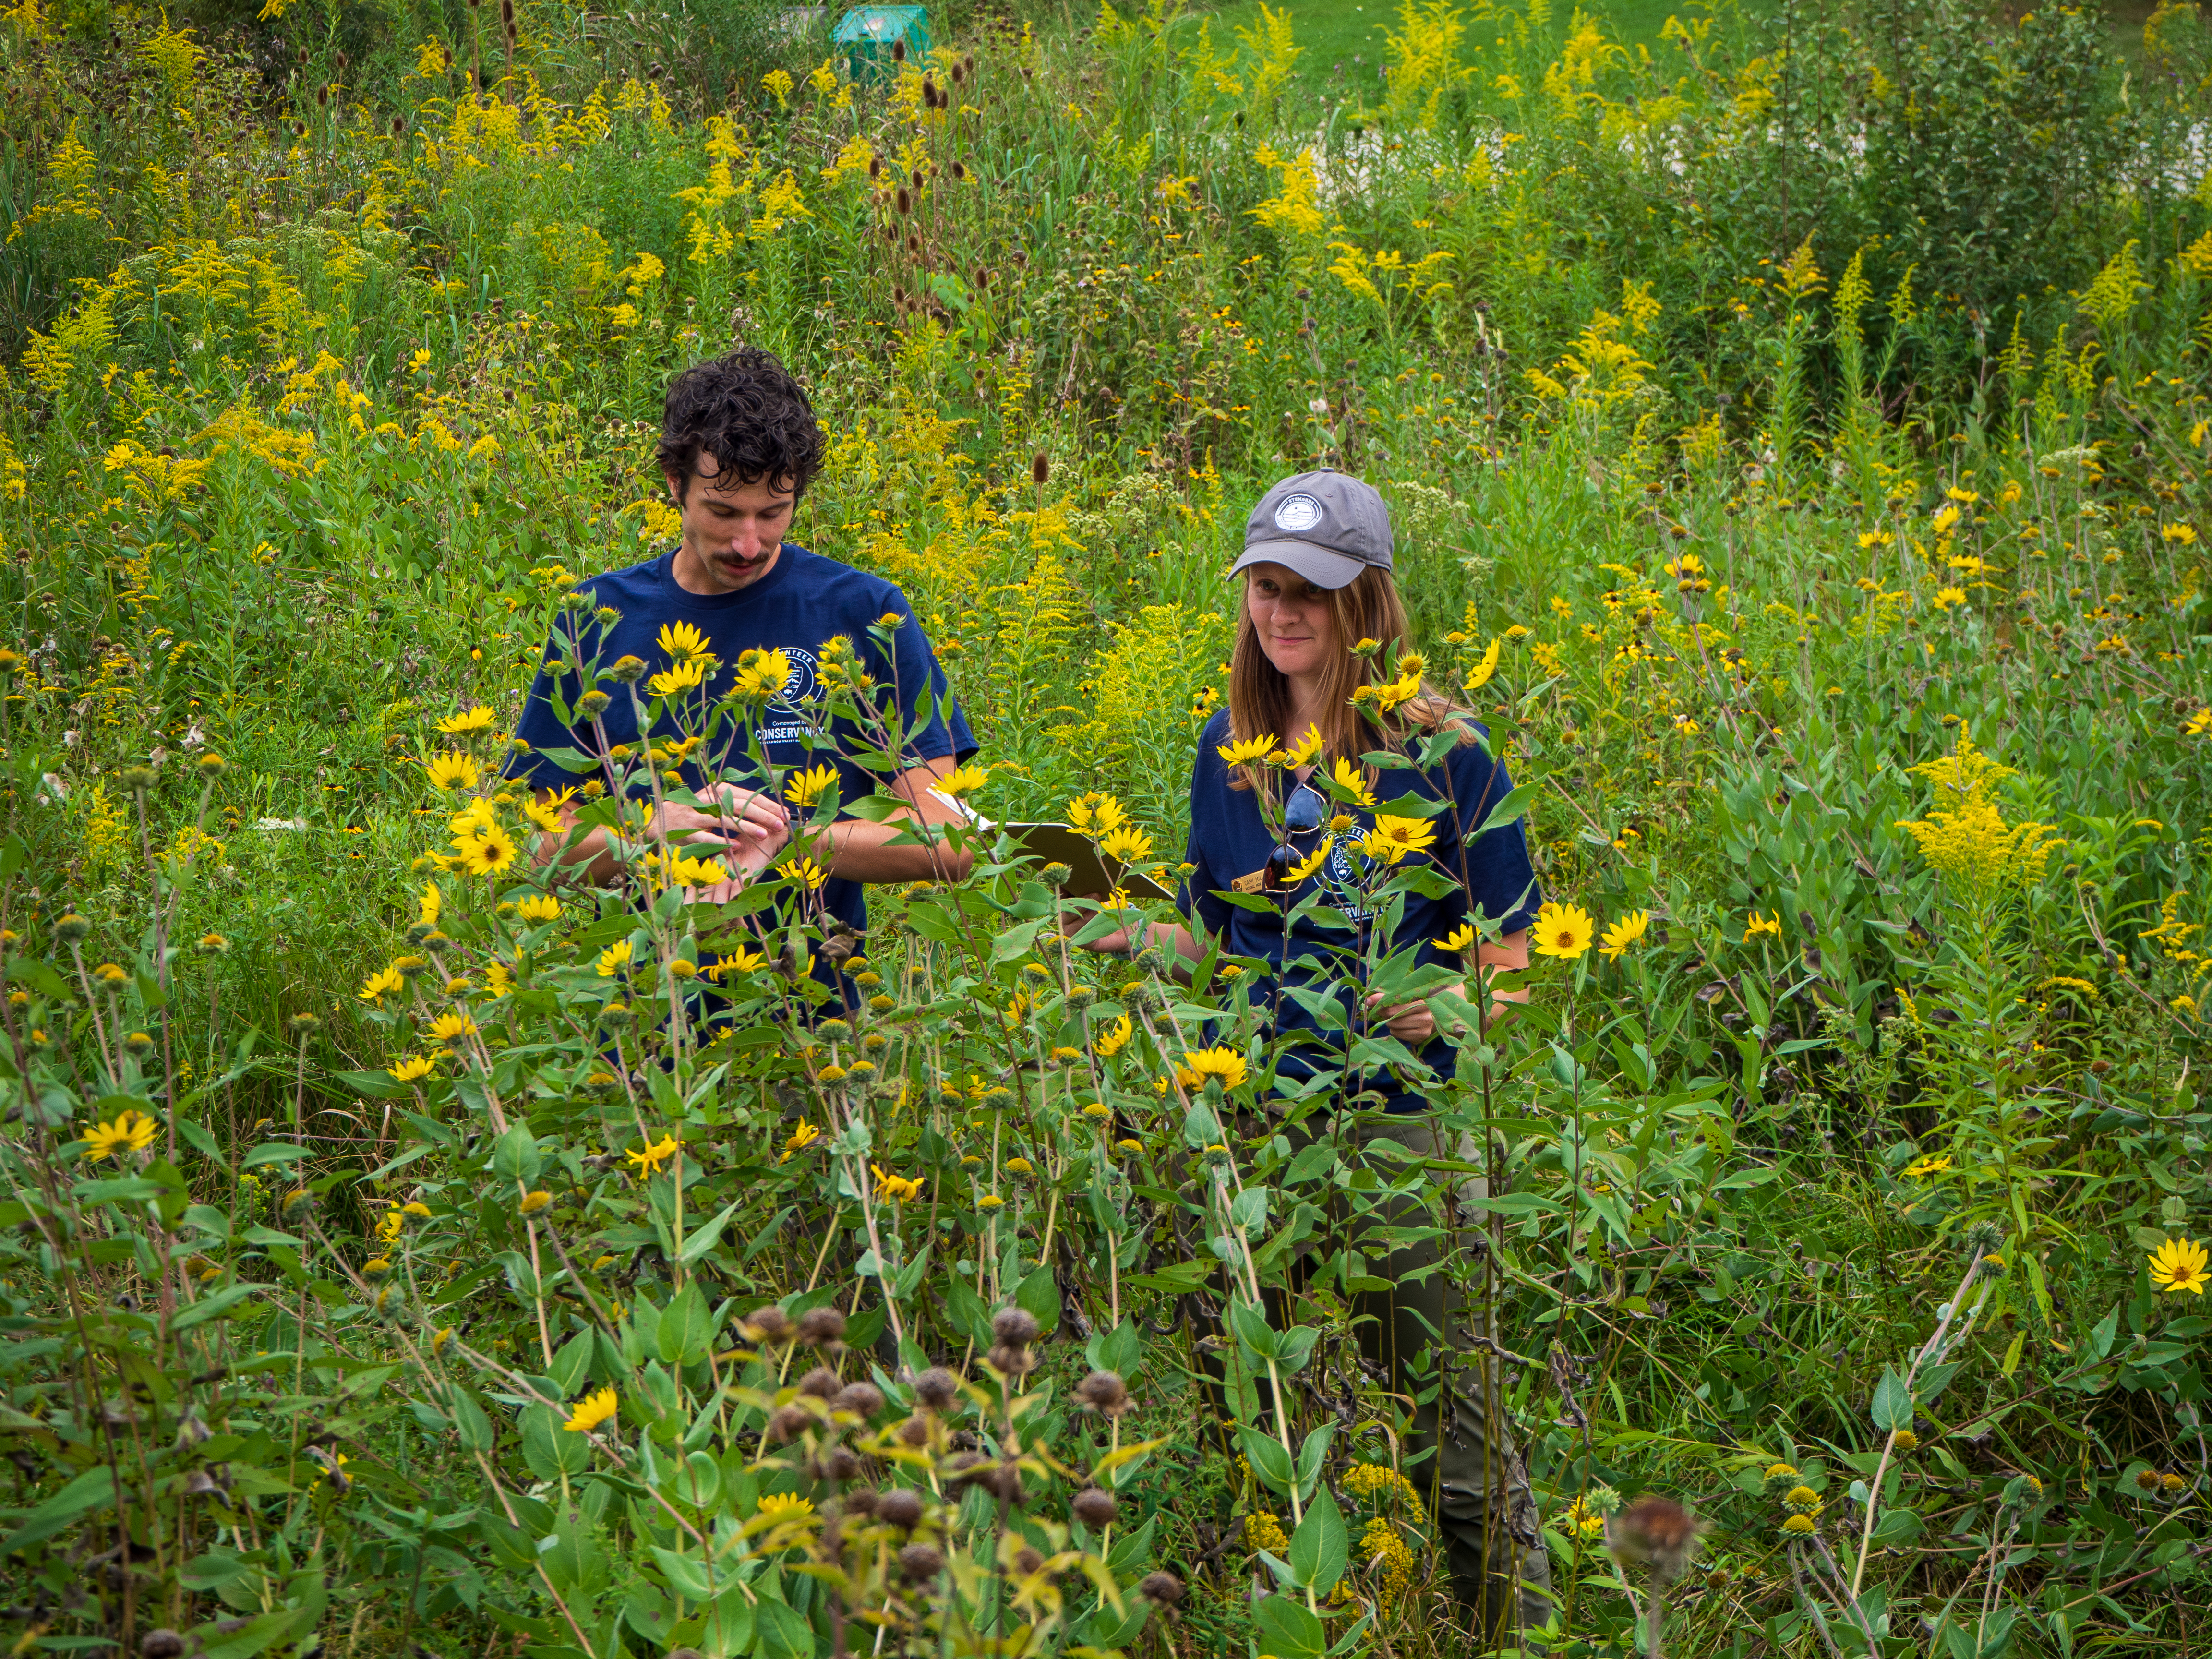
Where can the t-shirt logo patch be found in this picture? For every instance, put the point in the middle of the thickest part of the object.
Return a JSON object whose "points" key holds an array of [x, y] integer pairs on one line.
{"points": [[800, 685], [1297, 513]]}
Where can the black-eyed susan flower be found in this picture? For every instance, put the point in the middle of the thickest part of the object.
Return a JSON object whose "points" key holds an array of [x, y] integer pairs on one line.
{"points": [[452, 1029], [2179, 1265], [1225, 1065], [533, 1202], [1247, 751], [799, 1139], [802, 789], [452, 770], [895, 1187], [961, 779], [1095, 814], [1393, 839], [1347, 780], [1625, 932], [131, 1131], [1127, 843], [805, 873], [487, 852], [412, 1068], [1564, 931], [593, 1410], [1111, 1041], [478, 719], [1755, 924], [648, 1159]]}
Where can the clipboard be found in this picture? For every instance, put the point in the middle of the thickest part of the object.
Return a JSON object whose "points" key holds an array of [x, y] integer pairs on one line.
{"points": [[1096, 875]]}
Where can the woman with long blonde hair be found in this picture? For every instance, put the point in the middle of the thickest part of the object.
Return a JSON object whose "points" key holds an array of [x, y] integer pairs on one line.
{"points": [[1286, 803]]}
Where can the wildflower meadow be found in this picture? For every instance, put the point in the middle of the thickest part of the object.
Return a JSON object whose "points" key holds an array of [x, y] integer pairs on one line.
{"points": [[1796, 424]]}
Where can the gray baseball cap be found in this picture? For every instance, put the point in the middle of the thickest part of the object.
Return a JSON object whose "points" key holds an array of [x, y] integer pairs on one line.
{"points": [[1327, 526]]}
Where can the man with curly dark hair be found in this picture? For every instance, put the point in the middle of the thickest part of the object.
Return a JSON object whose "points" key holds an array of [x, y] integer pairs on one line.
{"points": [[740, 446]]}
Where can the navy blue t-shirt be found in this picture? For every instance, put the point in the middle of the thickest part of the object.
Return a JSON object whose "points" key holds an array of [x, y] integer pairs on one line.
{"points": [[1229, 840], [803, 601]]}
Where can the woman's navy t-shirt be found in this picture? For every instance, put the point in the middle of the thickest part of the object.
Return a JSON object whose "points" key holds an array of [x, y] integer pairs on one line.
{"points": [[803, 601], [1229, 840]]}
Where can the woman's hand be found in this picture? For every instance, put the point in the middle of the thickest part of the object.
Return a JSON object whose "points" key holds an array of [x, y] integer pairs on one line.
{"points": [[1112, 945]]}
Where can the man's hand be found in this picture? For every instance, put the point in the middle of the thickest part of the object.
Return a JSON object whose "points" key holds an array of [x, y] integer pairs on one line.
{"points": [[727, 817]]}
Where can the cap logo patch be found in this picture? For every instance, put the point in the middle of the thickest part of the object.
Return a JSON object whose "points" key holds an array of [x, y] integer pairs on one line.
{"points": [[1297, 513]]}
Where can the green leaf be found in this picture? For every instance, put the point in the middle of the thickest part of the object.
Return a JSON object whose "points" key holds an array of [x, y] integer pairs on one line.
{"points": [[782, 1633], [212, 1307], [698, 1244], [1039, 1297], [1292, 1632], [256, 1636], [1892, 1402], [1310, 1456], [92, 1490], [1267, 1458], [1250, 1209], [1200, 1129], [1320, 1548], [271, 1151], [1253, 1329], [516, 1157], [377, 1085], [686, 1576]]}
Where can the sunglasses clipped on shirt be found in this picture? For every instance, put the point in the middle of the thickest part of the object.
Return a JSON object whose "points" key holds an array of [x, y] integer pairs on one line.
{"points": [[1302, 813]]}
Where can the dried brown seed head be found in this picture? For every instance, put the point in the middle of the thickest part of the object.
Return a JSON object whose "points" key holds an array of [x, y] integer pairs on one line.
{"points": [[1094, 1507], [818, 1326], [1104, 1391], [821, 1382], [1017, 1327], [937, 1388], [1162, 1589], [861, 1399], [920, 1562], [1655, 1529], [900, 1507]]}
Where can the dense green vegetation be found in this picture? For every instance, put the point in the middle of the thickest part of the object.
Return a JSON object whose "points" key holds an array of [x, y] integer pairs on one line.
{"points": [[1798, 448]]}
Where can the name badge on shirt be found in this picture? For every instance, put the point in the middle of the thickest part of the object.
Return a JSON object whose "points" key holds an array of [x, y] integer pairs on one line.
{"points": [[1256, 882]]}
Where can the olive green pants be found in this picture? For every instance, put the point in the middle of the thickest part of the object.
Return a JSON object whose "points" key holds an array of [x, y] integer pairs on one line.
{"points": [[1475, 1484]]}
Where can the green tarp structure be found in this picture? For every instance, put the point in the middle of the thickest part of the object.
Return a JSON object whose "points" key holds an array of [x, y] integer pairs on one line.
{"points": [[867, 33]]}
